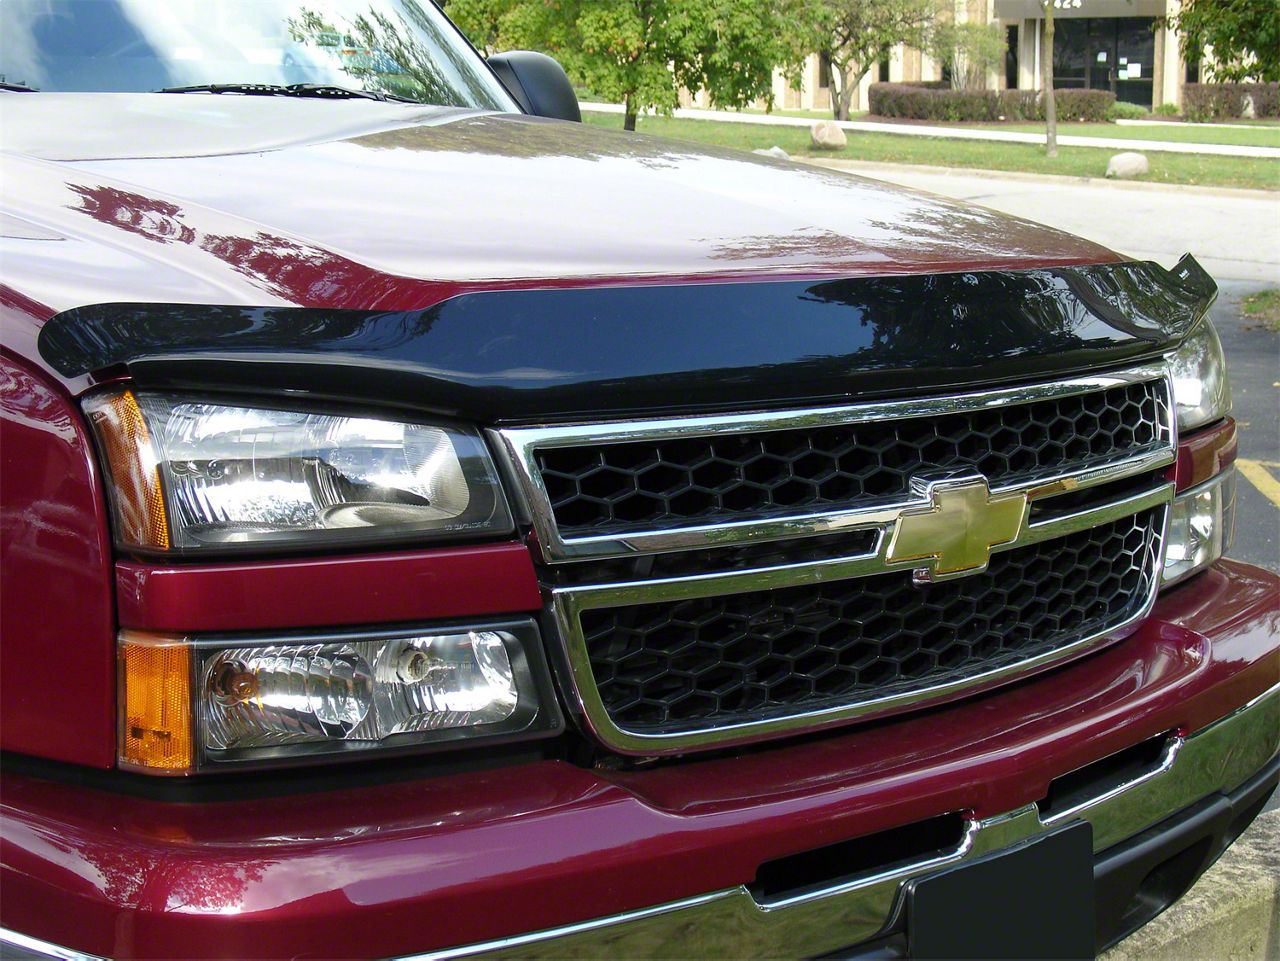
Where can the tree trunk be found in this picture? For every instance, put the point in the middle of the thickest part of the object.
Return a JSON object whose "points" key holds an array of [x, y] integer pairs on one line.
{"points": [[1046, 73], [628, 114], [846, 98], [842, 99], [832, 92]]}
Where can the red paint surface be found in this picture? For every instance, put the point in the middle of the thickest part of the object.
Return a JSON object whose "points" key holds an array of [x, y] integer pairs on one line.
{"points": [[137, 198], [57, 635], [314, 592], [1205, 453], [407, 867]]}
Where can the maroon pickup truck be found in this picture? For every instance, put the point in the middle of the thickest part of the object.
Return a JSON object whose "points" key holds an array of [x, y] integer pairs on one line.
{"points": [[432, 527]]}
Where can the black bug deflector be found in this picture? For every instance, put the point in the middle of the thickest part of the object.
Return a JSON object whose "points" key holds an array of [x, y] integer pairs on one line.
{"points": [[549, 354]]}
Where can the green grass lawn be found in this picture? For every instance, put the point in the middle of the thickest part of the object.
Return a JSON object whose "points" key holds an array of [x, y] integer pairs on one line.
{"points": [[1258, 136], [1170, 168], [1264, 306]]}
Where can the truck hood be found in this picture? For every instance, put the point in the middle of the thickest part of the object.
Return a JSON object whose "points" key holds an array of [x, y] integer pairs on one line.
{"points": [[357, 204], [507, 269]]}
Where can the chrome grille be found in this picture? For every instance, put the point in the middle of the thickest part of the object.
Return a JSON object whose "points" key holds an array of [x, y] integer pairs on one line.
{"points": [[745, 618], [763, 653], [662, 483]]}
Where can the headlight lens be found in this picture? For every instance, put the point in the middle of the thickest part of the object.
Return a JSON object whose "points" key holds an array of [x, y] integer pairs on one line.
{"points": [[192, 475], [190, 704], [1200, 527], [1201, 391]]}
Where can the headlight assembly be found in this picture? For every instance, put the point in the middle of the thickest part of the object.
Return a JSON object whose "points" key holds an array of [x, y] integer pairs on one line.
{"points": [[194, 704], [197, 475], [1201, 392]]}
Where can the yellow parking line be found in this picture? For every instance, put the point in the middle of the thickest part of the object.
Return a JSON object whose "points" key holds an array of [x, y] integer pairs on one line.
{"points": [[1260, 478]]}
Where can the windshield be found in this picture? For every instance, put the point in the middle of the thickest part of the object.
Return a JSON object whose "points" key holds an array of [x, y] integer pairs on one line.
{"points": [[404, 48]]}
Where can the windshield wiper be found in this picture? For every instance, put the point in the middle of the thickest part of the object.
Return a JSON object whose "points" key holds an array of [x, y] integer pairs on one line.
{"points": [[17, 87], [322, 90]]}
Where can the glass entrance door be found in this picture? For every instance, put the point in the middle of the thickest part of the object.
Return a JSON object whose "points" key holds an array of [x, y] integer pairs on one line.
{"points": [[1135, 63], [1111, 53]]}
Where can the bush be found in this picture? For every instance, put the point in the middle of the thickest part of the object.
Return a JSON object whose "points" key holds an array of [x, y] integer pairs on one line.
{"points": [[1090, 105], [1166, 110], [1203, 102], [1266, 99], [1120, 110], [1206, 102], [940, 103]]}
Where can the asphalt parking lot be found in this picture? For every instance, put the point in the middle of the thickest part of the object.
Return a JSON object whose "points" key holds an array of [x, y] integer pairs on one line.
{"points": [[1253, 358]]}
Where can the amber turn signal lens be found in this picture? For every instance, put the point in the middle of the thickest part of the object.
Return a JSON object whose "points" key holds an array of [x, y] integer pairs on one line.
{"points": [[155, 703], [135, 471]]}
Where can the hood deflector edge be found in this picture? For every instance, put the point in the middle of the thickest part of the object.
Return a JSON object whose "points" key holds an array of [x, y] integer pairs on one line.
{"points": [[549, 354]]}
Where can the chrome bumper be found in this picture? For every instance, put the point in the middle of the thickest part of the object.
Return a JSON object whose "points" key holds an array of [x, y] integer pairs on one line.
{"points": [[732, 923]]}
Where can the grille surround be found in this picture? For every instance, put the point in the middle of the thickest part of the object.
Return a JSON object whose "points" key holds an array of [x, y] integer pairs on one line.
{"points": [[1103, 490]]}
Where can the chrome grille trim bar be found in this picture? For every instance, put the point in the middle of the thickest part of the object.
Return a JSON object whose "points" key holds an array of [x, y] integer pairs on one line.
{"points": [[686, 587], [519, 447]]}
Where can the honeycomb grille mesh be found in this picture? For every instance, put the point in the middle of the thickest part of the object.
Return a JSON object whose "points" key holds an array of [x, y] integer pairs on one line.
{"points": [[655, 484], [719, 660]]}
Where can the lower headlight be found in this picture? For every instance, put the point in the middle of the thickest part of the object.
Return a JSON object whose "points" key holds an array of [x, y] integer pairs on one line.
{"points": [[1200, 527], [238, 701]]}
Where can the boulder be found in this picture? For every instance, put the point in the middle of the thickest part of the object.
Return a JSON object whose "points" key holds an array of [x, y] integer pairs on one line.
{"points": [[826, 135], [1128, 164], [775, 151]]}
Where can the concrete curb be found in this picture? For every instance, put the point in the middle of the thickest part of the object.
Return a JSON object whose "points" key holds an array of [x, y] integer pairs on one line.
{"points": [[870, 166], [1231, 914]]}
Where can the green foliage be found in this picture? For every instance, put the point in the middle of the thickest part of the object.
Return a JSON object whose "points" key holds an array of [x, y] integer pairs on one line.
{"points": [[855, 35], [1166, 110], [1089, 106], [1122, 110], [972, 49], [919, 102], [1207, 102], [642, 52], [1244, 35], [480, 20]]}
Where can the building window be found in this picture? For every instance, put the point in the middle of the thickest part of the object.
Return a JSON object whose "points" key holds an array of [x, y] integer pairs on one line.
{"points": [[884, 70], [1011, 58], [824, 71]]}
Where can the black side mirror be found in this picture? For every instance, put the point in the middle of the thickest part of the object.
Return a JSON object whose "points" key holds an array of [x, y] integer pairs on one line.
{"points": [[538, 83]]}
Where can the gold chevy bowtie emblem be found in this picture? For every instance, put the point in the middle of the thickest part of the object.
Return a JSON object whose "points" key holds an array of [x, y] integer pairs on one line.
{"points": [[958, 529]]}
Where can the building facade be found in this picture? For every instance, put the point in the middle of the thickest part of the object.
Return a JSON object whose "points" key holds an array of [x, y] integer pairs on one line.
{"points": [[1124, 46]]}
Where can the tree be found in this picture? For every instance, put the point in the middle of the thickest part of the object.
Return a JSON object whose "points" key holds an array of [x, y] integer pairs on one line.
{"points": [[972, 50], [1244, 36], [852, 36], [480, 20], [643, 52], [1046, 70]]}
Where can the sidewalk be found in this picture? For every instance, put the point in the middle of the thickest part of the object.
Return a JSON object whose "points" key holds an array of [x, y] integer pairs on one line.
{"points": [[961, 133]]}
